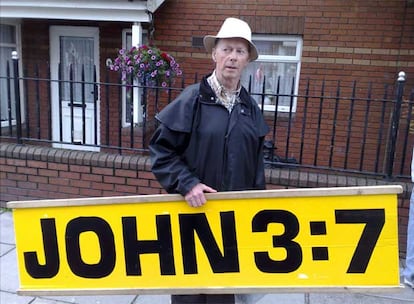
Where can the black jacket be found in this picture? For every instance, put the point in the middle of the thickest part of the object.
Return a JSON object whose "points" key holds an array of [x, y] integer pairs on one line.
{"points": [[198, 140]]}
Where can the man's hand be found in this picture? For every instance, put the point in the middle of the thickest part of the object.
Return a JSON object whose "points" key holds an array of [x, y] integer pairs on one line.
{"points": [[195, 197]]}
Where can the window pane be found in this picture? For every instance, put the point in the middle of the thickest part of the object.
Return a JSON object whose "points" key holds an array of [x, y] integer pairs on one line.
{"points": [[276, 48], [7, 33], [128, 40], [272, 78], [6, 85], [77, 54]]}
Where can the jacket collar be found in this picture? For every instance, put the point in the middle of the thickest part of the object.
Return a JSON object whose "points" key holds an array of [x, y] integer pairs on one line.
{"points": [[207, 94]]}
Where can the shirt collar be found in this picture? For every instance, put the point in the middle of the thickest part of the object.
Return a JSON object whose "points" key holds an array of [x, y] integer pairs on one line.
{"points": [[218, 88], [227, 99]]}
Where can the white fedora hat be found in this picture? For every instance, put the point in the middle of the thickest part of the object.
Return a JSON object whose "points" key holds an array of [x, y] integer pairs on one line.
{"points": [[232, 28]]}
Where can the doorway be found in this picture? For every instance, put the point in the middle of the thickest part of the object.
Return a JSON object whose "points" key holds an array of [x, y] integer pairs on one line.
{"points": [[74, 58]]}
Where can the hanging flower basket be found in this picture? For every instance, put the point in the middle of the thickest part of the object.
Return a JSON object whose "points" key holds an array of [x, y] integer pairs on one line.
{"points": [[148, 64]]}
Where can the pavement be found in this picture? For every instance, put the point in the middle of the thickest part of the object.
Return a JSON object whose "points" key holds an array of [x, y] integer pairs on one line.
{"points": [[9, 283]]}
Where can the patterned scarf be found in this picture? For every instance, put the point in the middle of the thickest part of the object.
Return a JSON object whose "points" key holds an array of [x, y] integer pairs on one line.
{"points": [[224, 97]]}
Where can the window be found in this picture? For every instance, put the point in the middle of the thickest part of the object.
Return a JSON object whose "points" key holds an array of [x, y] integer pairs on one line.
{"points": [[76, 56], [128, 107], [9, 42], [275, 72]]}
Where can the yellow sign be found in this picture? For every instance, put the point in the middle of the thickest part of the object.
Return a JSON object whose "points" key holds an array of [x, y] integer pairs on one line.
{"points": [[238, 242]]}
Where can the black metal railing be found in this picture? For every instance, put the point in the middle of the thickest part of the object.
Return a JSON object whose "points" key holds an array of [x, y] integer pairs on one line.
{"points": [[327, 125], [370, 134]]}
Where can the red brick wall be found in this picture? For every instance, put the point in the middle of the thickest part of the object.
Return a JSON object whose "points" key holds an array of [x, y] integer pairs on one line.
{"points": [[348, 40]]}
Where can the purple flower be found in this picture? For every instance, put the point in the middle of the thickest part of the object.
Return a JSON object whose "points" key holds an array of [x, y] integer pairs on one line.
{"points": [[146, 62]]}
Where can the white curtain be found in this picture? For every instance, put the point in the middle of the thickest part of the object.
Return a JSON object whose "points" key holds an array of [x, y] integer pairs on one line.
{"points": [[77, 52], [7, 37], [276, 74], [275, 71]]}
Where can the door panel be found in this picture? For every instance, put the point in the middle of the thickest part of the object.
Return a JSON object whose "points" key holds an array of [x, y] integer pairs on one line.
{"points": [[75, 101]]}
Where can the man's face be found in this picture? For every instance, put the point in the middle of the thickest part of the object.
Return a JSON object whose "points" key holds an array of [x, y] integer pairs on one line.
{"points": [[231, 56]]}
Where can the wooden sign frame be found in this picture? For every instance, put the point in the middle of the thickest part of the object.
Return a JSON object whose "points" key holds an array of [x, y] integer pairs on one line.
{"points": [[239, 242]]}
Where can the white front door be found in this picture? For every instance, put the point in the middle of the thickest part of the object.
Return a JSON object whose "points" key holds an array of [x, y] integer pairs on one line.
{"points": [[74, 65]]}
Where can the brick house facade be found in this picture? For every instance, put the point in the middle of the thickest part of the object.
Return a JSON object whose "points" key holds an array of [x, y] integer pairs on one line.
{"points": [[359, 43], [368, 42]]}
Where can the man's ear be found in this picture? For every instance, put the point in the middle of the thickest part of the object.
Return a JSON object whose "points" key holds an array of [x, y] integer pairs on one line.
{"points": [[213, 55]]}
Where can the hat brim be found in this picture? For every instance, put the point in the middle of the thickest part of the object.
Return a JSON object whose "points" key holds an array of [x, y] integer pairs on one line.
{"points": [[209, 42]]}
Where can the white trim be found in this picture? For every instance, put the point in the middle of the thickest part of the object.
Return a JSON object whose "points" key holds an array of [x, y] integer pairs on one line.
{"points": [[283, 38], [18, 46], [104, 10], [68, 30], [125, 33], [137, 39], [283, 59]]}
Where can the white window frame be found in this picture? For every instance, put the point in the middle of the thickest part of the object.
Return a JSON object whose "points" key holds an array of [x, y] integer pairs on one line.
{"points": [[18, 48], [282, 59], [125, 123]]}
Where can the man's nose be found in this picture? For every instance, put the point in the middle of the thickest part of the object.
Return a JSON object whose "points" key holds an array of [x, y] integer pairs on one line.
{"points": [[233, 55]]}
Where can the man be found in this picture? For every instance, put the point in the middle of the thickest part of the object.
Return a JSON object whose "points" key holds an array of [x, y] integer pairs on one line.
{"points": [[409, 261], [211, 137]]}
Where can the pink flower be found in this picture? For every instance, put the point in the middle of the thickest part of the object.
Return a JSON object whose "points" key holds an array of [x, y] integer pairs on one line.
{"points": [[147, 64]]}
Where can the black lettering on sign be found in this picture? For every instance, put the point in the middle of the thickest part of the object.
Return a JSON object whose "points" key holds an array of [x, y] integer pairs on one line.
{"points": [[50, 246], [374, 220], [197, 223], [134, 247], [106, 239], [293, 259]]}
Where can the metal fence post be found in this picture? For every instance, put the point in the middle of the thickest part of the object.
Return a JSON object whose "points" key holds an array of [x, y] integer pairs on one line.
{"points": [[15, 59], [395, 124]]}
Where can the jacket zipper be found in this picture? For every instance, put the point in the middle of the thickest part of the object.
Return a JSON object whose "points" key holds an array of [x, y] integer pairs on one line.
{"points": [[225, 150]]}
